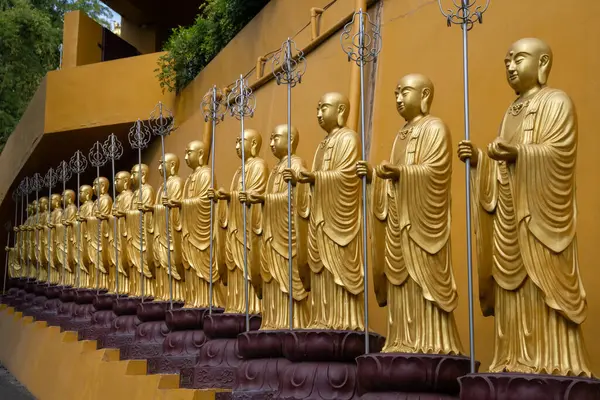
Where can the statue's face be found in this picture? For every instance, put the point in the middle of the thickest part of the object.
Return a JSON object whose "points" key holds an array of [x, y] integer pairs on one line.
{"points": [[192, 156], [522, 64], [328, 113], [95, 187], [247, 146], [408, 99], [279, 142], [55, 202], [43, 205], [121, 182]]}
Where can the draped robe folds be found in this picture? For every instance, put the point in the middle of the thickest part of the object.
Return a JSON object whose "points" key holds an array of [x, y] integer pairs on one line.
{"points": [[195, 224], [270, 264], [97, 230], [55, 219], [525, 216], [30, 246], [161, 251], [412, 265], [143, 269], [42, 246], [116, 245], [256, 182], [81, 254], [64, 245], [334, 243]]}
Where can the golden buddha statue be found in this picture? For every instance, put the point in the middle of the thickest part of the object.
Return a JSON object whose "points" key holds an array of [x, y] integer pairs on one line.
{"points": [[525, 213], [31, 241], [97, 234], [55, 217], [121, 205], [230, 239], [86, 206], [65, 238], [270, 268], [334, 240], [162, 252], [141, 257], [195, 230], [41, 227], [410, 235]]}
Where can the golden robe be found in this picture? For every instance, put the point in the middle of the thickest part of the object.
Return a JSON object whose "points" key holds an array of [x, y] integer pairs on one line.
{"points": [[140, 244], [525, 216], [412, 260], [64, 245], [30, 246], [256, 182], [117, 245], [195, 228], [42, 246], [97, 235], [55, 218], [81, 253], [335, 244], [270, 264], [161, 251]]}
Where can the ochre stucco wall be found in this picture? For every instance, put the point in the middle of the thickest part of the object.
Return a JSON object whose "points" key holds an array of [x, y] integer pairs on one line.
{"points": [[82, 38], [416, 39]]}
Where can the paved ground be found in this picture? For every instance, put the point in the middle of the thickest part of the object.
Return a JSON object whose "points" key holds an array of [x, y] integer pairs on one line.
{"points": [[10, 388]]}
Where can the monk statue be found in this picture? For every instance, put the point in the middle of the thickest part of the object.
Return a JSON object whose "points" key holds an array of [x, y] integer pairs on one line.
{"points": [[270, 268], [140, 241], [97, 233], [334, 240], [195, 229], [55, 218], [119, 261], [410, 233], [162, 253], [25, 241], [86, 206], [230, 239], [65, 238], [32, 240], [525, 214], [42, 219]]}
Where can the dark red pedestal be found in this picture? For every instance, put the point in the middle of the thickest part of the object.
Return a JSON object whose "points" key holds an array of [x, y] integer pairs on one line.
{"points": [[217, 363], [182, 344], [151, 333], [52, 303], [37, 304], [323, 363], [123, 327], [82, 311], [102, 318], [401, 376], [65, 309], [508, 386]]}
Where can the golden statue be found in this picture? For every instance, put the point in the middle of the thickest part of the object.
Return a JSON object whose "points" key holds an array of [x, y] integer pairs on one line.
{"points": [[65, 238], [42, 242], [334, 240], [86, 206], [141, 261], [195, 224], [121, 205], [97, 234], [161, 251], [31, 241], [525, 214], [55, 217], [410, 235], [230, 238], [270, 268]]}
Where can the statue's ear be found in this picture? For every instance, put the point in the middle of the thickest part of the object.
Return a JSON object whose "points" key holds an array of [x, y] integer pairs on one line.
{"points": [[544, 69], [425, 94]]}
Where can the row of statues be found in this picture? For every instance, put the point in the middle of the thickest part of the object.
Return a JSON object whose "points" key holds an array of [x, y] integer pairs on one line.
{"points": [[524, 208]]}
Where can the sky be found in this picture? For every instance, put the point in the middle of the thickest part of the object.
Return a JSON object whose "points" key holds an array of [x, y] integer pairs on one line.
{"points": [[114, 18]]}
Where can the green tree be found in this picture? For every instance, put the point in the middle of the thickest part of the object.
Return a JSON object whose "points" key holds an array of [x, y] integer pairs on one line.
{"points": [[190, 49], [30, 35]]}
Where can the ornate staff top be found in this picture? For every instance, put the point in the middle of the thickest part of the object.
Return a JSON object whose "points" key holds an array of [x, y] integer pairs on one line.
{"points": [[63, 171], [363, 46], [24, 186], [37, 182], [214, 106], [467, 12], [241, 101], [7, 226], [96, 155], [78, 162], [16, 193], [161, 120], [51, 178], [112, 147], [292, 64], [139, 135]]}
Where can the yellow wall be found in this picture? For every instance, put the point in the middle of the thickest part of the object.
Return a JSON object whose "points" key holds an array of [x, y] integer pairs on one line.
{"points": [[416, 39], [82, 38], [144, 39]]}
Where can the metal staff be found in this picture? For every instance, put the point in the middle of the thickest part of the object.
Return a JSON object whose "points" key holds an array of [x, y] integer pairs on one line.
{"points": [[214, 109], [288, 68], [64, 174], [139, 138], [241, 104], [38, 184], [97, 160], [113, 150], [50, 180], [161, 123], [78, 164], [466, 14], [362, 48]]}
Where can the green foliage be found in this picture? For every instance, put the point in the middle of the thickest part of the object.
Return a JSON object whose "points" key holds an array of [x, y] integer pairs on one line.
{"points": [[190, 49], [30, 35]]}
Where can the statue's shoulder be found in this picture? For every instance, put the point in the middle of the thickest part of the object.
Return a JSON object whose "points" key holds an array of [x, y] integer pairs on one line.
{"points": [[258, 162], [435, 126]]}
